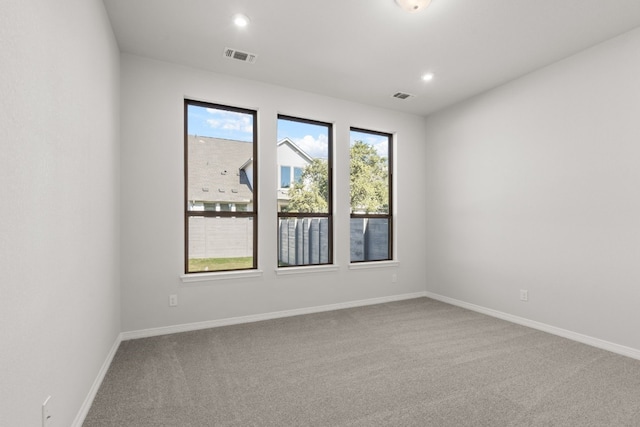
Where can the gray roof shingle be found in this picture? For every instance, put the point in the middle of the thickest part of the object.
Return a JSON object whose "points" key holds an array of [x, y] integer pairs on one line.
{"points": [[214, 170]]}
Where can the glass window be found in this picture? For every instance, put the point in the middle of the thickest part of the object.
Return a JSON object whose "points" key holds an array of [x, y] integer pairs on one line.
{"points": [[370, 191], [305, 220], [220, 188], [285, 176]]}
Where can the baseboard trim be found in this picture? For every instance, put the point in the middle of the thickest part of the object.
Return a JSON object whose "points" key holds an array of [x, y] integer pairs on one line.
{"points": [[86, 405], [187, 327], [584, 339]]}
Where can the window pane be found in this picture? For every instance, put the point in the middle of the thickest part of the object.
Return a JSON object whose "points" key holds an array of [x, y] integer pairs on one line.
{"points": [[370, 185], [220, 188], [304, 147], [369, 173], [369, 239], [220, 156], [217, 243], [303, 241], [285, 176]]}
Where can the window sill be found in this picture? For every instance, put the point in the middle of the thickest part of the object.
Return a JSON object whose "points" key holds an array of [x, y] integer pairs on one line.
{"points": [[373, 264], [222, 275], [306, 269]]}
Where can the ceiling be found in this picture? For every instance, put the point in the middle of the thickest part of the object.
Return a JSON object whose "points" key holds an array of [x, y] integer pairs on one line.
{"points": [[367, 50]]}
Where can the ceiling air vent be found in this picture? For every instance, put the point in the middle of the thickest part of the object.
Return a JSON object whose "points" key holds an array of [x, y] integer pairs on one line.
{"points": [[402, 95], [239, 55]]}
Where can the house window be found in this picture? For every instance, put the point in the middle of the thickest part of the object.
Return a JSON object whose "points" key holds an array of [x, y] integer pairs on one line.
{"points": [[305, 221], [220, 188], [371, 196], [285, 175]]}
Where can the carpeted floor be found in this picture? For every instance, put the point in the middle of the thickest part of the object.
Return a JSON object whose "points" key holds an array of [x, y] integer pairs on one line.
{"points": [[409, 363]]}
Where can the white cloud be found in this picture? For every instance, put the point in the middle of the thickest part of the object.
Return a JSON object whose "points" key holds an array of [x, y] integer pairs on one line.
{"points": [[315, 147], [382, 148], [230, 121]]}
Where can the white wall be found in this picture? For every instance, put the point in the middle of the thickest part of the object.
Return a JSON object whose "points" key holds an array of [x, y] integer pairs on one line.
{"points": [[536, 185], [59, 189], [152, 96]]}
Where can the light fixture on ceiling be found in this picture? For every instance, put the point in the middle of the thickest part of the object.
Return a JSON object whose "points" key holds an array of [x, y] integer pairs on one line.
{"points": [[241, 20], [427, 77], [413, 5]]}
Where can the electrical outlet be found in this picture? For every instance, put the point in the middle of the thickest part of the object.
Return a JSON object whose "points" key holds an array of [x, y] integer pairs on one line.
{"points": [[524, 295], [173, 300], [394, 278], [46, 413]]}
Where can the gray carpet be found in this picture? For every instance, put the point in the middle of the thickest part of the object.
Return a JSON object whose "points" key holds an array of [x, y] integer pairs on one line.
{"points": [[410, 363]]}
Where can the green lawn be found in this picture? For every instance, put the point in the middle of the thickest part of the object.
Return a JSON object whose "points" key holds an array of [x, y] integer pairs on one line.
{"points": [[217, 264]]}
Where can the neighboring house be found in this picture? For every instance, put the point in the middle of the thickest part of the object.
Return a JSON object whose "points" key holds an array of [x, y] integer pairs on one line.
{"points": [[221, 179], [220, 174], [291, 162]]}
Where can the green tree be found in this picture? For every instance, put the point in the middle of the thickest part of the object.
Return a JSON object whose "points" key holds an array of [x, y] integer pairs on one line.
{"points": [[310, 193], [369, 183], [369, 180]]}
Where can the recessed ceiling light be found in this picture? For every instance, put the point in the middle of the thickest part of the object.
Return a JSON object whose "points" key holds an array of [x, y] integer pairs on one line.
{"points": [[241, 20], [413, 5], [427, 77]]}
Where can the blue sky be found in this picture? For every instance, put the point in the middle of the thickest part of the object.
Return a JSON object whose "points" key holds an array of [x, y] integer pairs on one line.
{"points": [[313, 139], [219, 123]]}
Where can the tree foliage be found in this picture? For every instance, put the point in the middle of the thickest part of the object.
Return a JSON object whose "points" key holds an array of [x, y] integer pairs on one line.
{"points": [[369, 183], [369, 180], [310, 193]]}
